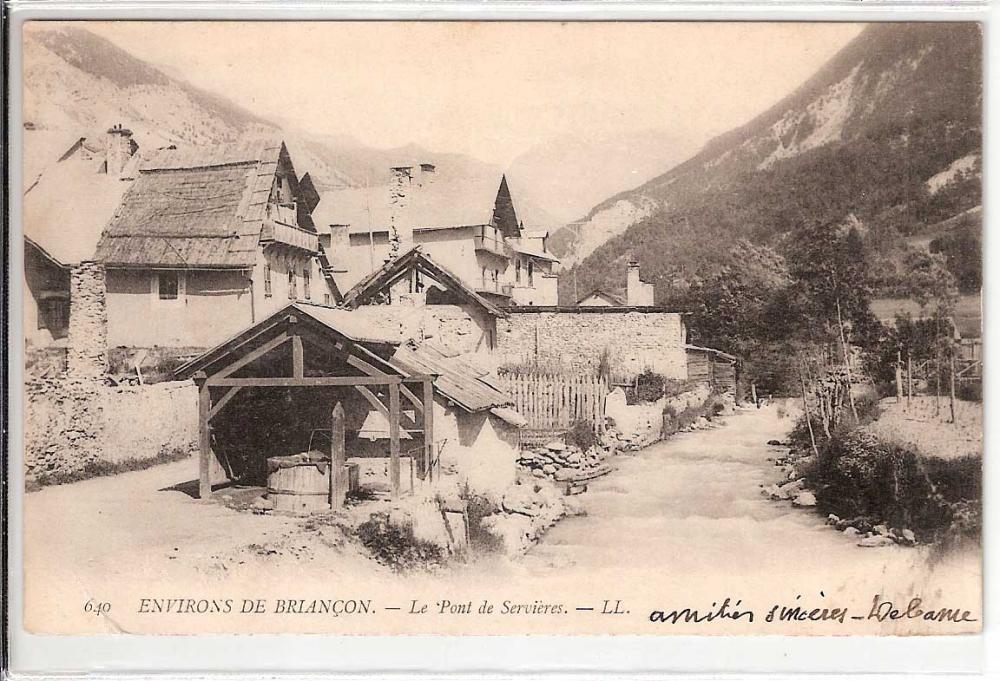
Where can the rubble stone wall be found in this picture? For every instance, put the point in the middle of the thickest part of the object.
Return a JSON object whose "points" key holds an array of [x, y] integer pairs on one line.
{"points": [[87, 335], [72, 424], [632, 340]]}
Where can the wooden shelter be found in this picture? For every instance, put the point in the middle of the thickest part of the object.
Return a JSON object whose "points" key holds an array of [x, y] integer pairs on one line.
{"points": [[325, 360]]}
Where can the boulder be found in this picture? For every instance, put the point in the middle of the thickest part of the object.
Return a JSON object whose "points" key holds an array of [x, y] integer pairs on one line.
{"points": [[805, 498], [521, 499], [851, 531], [775, 443], [832, 519], [791, 489], [876, 541], [881, 530], [555, 446], [908, 537]]}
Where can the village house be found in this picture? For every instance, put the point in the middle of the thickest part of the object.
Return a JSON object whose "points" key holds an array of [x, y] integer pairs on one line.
{"points": [[467, 223], [206, 242], [432, 298], [72, 188]]}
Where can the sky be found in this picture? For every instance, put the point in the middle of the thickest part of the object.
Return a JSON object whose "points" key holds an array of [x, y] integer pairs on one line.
{"points": [[488, 89]]}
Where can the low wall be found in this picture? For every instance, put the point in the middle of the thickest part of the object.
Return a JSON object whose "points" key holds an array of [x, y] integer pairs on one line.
{"points": [[73, 425], [631, 339]]}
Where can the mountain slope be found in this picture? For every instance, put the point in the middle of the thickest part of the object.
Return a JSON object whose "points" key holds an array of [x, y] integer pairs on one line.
{"points": [[896, 107]]}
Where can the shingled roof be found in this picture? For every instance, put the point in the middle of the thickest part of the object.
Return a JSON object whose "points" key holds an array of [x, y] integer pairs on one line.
{"points": [[195, 208]]}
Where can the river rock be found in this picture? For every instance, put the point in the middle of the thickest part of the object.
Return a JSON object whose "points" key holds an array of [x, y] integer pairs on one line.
{"points": [[851, 531], [907, 537], [775, 443], [876, 541], [881, 530], [555, 446], [791, 489], [832, 520], [805, 498]]}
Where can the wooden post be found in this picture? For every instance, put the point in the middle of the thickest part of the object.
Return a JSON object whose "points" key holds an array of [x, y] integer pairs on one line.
{"points": [[805, 407], [204, 436], [899, 376], [338, 457], [394, 440], [753, 394], [952, 363], [937, 383], [298, 361], [909, 380], [428, 431]]}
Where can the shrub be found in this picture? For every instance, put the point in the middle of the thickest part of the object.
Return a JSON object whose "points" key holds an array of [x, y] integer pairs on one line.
{"points": [[857, 474], [648, 387], [970, 392], [480, 507], [395, 544], [581, 434]]}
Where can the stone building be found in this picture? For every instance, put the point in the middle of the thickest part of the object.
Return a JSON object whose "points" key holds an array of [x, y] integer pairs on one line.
{"points": [[437, 305], [466, 222]]}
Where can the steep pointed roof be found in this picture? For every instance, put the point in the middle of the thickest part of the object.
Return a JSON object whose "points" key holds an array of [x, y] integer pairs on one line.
{"points": [[199, 207], [382, 278]]}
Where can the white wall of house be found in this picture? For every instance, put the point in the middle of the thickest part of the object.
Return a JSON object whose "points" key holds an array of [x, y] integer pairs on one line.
{"points": [[533, 279], [176, 308], [280, 277]]}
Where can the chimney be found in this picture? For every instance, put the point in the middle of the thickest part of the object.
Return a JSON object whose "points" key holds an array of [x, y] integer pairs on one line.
{"points": [[87, 336], [400, 229], [119, 149], [637, 292]]}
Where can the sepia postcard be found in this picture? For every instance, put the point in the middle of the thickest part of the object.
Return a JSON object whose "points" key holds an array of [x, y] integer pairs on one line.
{"points": [[480, 328]]}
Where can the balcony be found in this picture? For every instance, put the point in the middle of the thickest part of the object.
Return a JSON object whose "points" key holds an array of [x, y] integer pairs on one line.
{"points": [[494, 288], [280, 234], [485, 241]]}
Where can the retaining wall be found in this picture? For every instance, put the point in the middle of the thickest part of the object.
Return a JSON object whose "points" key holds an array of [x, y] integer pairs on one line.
{"points": [[72, 424]]}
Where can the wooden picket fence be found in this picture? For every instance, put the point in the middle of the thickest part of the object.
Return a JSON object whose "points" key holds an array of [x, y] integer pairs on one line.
{"points": [[554, 401]]}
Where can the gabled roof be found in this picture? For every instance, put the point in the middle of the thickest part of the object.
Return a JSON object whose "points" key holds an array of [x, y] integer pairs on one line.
{"points": [[445, 200], [454, 378], [613, 298], [382, 278], [458, 380], [195, 208]]}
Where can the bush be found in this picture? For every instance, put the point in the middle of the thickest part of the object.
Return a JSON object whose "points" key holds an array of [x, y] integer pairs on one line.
{"points": [[970, 392], [396, 546], [581, 434], [480, 507], [857, 474], [648, 387]]}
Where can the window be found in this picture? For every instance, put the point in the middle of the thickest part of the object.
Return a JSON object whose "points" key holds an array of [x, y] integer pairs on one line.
{"points": [[531, 273], [517, 271], [292, 285], [169, 285], [267, 281], [326, 298], [305, 282]]}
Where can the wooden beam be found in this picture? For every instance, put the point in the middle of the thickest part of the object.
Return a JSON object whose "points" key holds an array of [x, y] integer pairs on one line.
{"points": [[298, 360], [394, 440], [372, 399], [428, 425], [286, 382], [251, 356], [414, 400], [223, 401], [338, 458], [343, 349], [204, 438]]}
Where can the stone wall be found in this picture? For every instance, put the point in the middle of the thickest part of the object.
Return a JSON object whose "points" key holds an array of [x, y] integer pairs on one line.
{"points": [[72, 424], [87, 337], [632, 340]]}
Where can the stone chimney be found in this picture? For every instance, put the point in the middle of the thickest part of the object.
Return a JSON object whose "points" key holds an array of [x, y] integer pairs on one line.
{"points": [[87, 336], [400, 229], [637, 292], [119, 148]]}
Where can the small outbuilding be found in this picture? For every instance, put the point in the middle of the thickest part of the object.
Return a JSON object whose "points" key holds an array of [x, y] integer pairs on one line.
{"points": [[315, 379]]}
